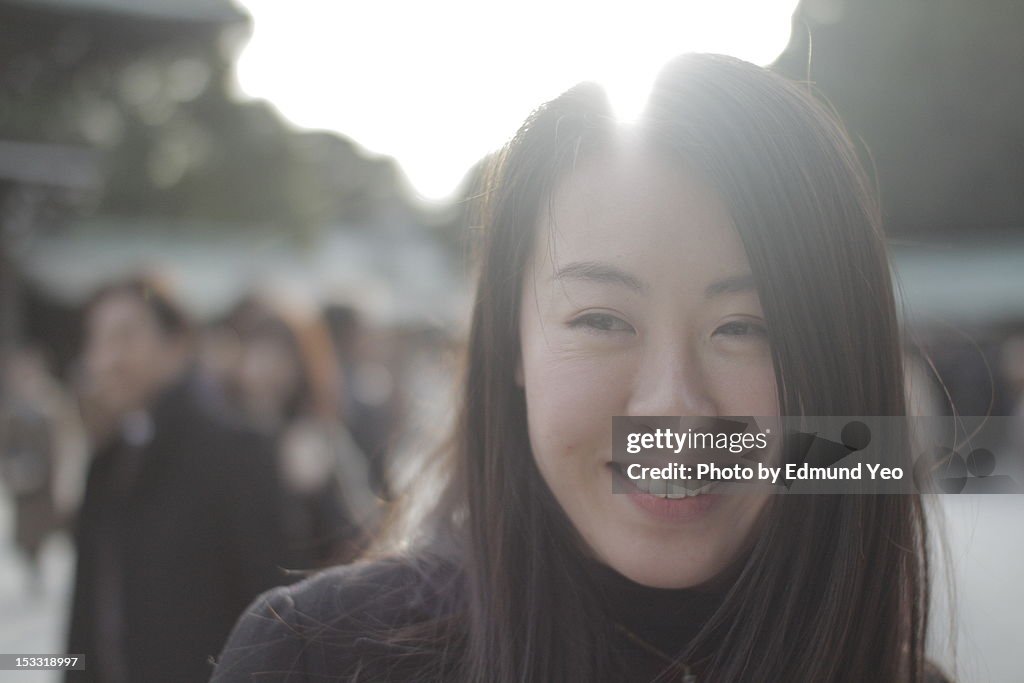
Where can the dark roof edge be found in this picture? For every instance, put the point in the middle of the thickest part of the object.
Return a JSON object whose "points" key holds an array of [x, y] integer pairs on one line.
{"points": [[216, 12]]}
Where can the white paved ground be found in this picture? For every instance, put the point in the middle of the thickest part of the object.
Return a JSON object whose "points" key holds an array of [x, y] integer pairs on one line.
{"points": [[985, 538], [32, 623]]}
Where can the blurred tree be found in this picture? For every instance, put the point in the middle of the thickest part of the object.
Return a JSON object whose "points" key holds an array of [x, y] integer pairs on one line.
{"points": [[149, 83], [934, 92]]}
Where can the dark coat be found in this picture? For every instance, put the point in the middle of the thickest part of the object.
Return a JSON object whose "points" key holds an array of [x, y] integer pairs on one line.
{"points": [[195, 532], [332, 626], [372, 622]]}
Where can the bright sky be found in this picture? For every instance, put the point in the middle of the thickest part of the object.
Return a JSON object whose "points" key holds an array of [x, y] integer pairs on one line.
{"points": [[438, 85]]}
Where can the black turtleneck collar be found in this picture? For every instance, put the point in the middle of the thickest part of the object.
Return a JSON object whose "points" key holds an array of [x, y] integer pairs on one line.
{"points": [[665, 618]]}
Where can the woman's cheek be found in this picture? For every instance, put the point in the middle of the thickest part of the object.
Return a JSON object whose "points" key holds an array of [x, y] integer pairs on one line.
{"points": [[570, 401], [742, 388]]}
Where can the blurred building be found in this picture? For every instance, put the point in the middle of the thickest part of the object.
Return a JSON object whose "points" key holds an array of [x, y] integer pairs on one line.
{"points": [[931, 95], [395, 272]]}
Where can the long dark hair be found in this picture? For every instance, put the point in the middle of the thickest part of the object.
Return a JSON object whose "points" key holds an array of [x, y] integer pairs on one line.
{"points": [[833, 588]]}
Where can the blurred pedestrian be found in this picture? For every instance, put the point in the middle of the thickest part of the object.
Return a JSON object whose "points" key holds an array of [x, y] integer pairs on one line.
{"points": [[41, 449], [369, 403], [181, 522], [287, 385], [1012, 361]]}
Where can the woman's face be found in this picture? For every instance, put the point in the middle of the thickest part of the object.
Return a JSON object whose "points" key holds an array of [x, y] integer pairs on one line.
{"points": [[268, 376], [639, 301]]}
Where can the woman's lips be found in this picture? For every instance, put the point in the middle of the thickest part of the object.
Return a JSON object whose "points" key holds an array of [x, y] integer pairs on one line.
{"points": [[674, 504]]}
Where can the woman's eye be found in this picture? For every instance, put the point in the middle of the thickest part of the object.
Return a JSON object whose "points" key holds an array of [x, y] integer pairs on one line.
{"points": [[742, 328], [603, 322]]}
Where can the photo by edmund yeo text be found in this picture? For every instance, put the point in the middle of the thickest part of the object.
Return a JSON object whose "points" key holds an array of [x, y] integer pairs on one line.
{"points": [[806, 454]]}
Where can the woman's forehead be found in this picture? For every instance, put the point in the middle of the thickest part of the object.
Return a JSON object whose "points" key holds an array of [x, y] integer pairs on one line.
{"points": [[629, 205]]}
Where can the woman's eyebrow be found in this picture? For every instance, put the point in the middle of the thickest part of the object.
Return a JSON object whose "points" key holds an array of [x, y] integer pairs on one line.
{"points": [[730, 285], [595, 271]]}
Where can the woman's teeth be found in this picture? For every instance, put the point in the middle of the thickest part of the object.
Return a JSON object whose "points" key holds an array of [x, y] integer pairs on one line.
{"points": [[665, 488]]}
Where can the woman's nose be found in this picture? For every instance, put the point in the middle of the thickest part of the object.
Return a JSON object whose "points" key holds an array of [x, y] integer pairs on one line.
{"points": [[670, 381]]}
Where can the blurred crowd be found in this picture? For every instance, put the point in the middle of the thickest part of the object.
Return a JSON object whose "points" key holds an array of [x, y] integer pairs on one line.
{"points": [[195, 465]]}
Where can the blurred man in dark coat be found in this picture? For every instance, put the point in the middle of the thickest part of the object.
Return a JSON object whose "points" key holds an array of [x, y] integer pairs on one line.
{"points": [[181, 525]]}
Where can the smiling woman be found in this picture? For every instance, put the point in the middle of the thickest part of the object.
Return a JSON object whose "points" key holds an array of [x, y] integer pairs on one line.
{"points": [[654, 312], [720, 257]]}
